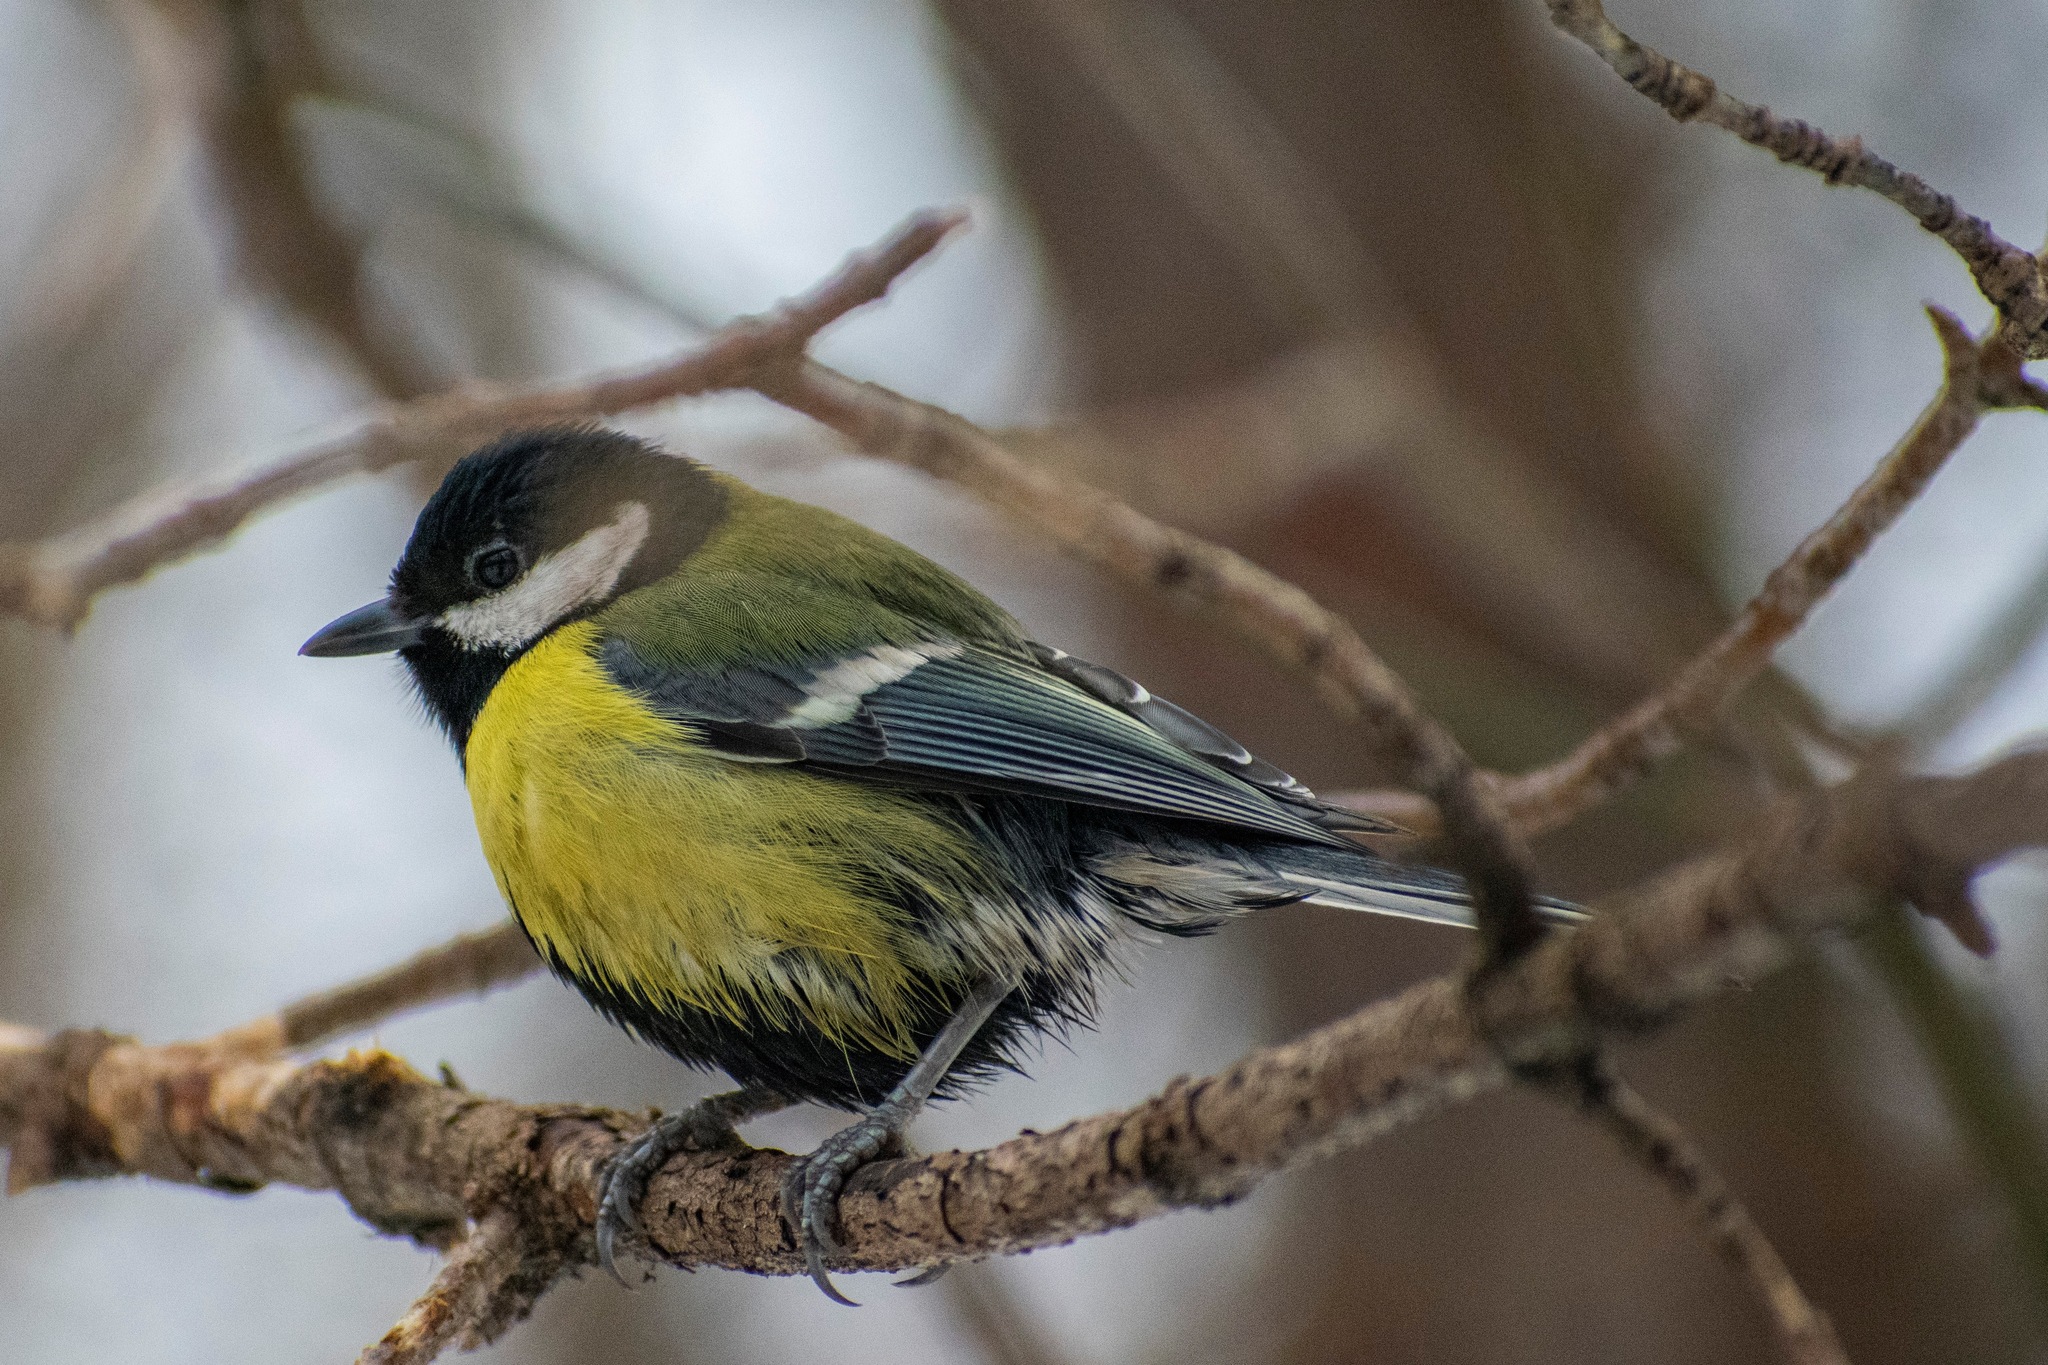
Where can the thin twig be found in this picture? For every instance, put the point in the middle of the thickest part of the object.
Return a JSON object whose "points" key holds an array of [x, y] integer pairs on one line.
{"points": [[1979, 376], [418, 1158], [1622, 751], [469, 964], [53, 583], [1663, 1148], [93, 257], [489, 1283], [2008, 275]]}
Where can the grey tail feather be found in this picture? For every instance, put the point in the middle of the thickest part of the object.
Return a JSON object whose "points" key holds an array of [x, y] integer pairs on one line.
{"points": [[1183, 885], [1423, 897]]}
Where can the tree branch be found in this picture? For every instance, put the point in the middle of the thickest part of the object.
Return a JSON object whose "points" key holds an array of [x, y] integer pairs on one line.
{"points": [[469, 964], [53, 583], [2008, 275], [417, 1158], [1980, 375], [490, 1282], [1663, 1148]]}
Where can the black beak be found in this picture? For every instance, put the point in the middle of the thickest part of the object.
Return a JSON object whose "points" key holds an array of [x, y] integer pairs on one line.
{"points": [[376, 629]]}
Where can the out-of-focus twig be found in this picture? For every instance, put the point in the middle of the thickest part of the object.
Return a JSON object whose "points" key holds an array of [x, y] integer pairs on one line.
{"points": [[54, 582], [1668, 1153], [1983, 666], [2009, 276], [93, 257], [1983, 1084], [1002, 1326], [470, 964], [1224, 156], [1555, 578], [283, 245]]}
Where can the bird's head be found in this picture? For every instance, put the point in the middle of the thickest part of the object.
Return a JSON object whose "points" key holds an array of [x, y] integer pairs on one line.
{"points": [[533, 531]]}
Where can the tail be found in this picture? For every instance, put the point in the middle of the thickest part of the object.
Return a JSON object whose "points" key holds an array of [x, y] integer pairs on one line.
{"points": [[1422, 893], [1183, 885]]}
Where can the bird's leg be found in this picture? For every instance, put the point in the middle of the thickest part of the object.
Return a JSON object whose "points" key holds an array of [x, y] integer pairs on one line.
{"points": [[704, 1126], [810, 1194]]}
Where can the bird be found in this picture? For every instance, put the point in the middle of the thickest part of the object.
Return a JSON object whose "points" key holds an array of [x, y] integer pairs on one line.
{"points": [[788, 800]]}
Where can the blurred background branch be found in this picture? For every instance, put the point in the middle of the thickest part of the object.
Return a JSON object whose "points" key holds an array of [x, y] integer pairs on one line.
{"points": [[1382, 301]]}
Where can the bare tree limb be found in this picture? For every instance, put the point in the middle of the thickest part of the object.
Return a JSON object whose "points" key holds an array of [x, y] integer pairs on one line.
{"points": [[2008, 275], [1668, 1153], [1980, 376], [418, 1158], [490, 1282], [54, 582], [469, 964]]}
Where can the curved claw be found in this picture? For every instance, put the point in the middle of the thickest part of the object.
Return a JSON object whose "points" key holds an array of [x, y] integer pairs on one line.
{"points": [[704, 1125], [810, 1199], [810, 1193], [625, 1185], [931, 1274], [814, 1258]]}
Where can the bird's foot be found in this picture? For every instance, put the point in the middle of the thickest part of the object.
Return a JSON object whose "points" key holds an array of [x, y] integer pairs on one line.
{"points": [[705, 1126], [810, 1193]]}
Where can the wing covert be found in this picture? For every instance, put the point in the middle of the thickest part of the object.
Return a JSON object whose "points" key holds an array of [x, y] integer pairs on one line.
{"points": [[948, 716]]}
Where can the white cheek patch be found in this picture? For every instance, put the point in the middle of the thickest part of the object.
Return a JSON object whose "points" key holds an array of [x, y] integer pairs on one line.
{"points": [[835, 693], [551, 590]]}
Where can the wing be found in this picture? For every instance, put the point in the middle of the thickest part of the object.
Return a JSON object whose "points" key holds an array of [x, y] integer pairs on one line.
{"points": [[949, 716]]}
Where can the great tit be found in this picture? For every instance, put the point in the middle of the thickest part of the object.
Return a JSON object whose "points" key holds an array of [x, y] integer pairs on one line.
{"points": [[788, 800]]}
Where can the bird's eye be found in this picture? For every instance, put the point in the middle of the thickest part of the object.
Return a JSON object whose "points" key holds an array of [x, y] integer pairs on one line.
{"points": [[492, 567]]}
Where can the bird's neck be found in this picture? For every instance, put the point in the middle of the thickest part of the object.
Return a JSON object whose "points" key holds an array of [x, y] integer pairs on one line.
{"points": [[453, 681]]}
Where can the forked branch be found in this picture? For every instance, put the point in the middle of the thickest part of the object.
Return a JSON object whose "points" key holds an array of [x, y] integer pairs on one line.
{"points": [[2008, 275], [1978, 376]]}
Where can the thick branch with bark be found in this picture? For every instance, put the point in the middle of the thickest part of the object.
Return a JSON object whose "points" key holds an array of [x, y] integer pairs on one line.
{"points": [[418, 1157]]}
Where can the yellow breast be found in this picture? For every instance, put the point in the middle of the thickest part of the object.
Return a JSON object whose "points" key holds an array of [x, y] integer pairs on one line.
{"points": [[636, 858]]}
